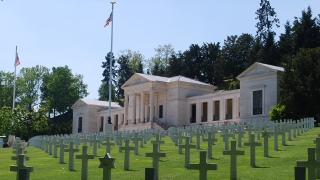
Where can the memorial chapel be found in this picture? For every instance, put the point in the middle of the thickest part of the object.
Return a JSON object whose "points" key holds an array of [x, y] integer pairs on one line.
{"points": [[153, 102]]}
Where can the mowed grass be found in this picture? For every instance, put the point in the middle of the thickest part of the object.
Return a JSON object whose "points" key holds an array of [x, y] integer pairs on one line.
{"points": [[278, 166]]}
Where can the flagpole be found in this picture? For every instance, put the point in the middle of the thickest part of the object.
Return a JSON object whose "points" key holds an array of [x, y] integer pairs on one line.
{"points": [[14, 84], [111, 58]]}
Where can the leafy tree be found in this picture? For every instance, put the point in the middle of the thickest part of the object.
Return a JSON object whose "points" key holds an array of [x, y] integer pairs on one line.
{"points": [[6, 89], [29, 85], [211, 53], [234, 85], [25, 122], [135, 60], [175, 65], [60, 89], [5, 121], [124, 73], [193, 63], [300, 88], [278, 112], [106, 71], [306, 31], [267, 17], [160, 60], [104, 92]]}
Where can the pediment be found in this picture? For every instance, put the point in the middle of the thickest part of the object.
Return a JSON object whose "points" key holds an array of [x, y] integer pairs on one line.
{"points": [[135, 80], [256, 69], [78, 103]]}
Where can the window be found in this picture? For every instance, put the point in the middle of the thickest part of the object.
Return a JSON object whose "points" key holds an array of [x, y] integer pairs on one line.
{"points": [[101, 124], [161, 111], [257, 102], [80, 125]]}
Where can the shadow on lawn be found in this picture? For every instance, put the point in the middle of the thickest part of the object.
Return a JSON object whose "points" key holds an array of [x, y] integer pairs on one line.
{"points": [[133, 170], [288, 145], [163, 160], [281, 150], [259, 167], [272, 157]]}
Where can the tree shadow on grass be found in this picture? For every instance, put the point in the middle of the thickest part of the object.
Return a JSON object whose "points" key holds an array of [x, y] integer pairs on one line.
{"points": [[288, 145], [216, 158], [259, 167], [63, 163], [163, 160], [281, 150]]}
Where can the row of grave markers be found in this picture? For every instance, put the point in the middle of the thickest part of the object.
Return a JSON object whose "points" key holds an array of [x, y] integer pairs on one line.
{"points": [[177, 136]]}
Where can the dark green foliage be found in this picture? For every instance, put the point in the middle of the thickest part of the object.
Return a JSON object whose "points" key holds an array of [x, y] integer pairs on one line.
{"points": [[5, 121], [300, 87], [61, 124], [124, 73], [267, 17], [306, 31], [278, 112], [6, 89], [106, 71], [234, 85], [104, 92]]}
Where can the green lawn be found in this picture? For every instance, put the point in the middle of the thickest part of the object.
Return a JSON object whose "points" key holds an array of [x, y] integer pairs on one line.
{"points": [[279, 165]]}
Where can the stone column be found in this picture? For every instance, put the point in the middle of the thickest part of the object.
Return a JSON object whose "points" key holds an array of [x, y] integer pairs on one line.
{"points": [[234, 108], [198, 112], [222, 109], [125, 108], [134, 109], [165, 107], [151, 105], [156, 113], [210, 110], [142, 105], [138, 104]]}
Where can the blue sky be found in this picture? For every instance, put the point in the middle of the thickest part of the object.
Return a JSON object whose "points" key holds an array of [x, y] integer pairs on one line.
{"points": [[70, 32]]}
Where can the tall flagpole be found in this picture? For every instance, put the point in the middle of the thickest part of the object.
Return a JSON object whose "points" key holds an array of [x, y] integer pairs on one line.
{"points": [[111, 58], [14, 84]]}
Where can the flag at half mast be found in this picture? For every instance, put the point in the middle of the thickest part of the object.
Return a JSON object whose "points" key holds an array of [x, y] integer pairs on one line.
{"points": [[17, 61], [108, 20]]}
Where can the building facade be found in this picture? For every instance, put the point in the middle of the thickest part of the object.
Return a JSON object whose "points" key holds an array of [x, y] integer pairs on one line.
{"points": [[160, 102]]}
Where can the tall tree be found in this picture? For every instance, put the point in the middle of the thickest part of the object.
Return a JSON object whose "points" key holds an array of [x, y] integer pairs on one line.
{"points": [[106, 71], [135, 60], [104, 92], [29, 85], [299, 87], [5, 120], [62, 89], [306, 31], [267, 17], [161, 59], [175, 65], [124, 73], [6, 89], [285, 44], [210, 53]]}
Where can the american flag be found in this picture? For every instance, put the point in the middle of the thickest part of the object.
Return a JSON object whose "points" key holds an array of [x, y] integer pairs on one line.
{"points": [[108, 20], [17, 60]]}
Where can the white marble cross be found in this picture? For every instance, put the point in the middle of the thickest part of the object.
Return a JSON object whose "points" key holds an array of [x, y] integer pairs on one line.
{"points": [[94, 141], [203, 166], [71, 152], [210, 140], [266, 135], [317, 142], [62, 146], [180, 137], [253, 145], [55, 143], [156, 156], [233, 153], [127, 150], [85, 157], [136, 140], [226, 136], [240, 133], [108, 144], [198, 134], [21, 165], [312, 164], [275, 135], [158, 141], [187, 147]]}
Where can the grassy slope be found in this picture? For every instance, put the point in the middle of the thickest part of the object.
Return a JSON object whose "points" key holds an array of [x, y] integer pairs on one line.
{"points": [[280, 164]]}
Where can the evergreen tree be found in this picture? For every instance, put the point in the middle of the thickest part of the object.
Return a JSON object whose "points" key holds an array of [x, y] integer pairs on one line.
{"points": [[306, 31], [106, 71], [299, 87], [175, 65], [285, 44], [124, 73], [210, 53]]}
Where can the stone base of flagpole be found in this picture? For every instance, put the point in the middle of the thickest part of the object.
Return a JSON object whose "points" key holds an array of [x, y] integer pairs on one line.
{"points": [[109, 128]]}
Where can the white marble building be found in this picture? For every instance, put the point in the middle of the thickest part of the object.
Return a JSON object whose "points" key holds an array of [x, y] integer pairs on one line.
{"points": [[181, 101]]}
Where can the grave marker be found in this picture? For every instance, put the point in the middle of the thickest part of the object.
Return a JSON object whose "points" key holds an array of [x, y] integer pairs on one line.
{"points": [[55, 143], [187, 147], [203, 166], [198, 133], [71, 152], [252, 145], [266, 135], [226, 136], [210, 140], [21, 165], [156, 156], [233, 153], [311, 163], [127, 149], [108, 144], [62, 146], [180, 137], [85, 157], [95, 141], [107, 163], [158, 141], [136, 140]]}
